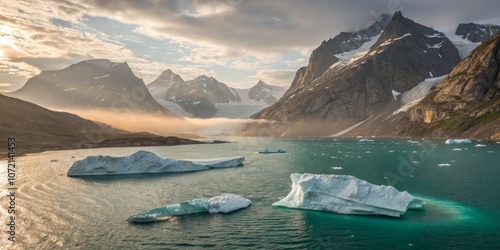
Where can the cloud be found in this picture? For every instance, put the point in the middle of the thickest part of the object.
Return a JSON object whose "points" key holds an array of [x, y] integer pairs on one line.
{"points": [[206, 36], [275, 77]]}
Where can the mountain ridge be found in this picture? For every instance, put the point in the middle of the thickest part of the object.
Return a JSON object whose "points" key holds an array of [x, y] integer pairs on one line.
{"points": [[357, 88], [91, 84]]}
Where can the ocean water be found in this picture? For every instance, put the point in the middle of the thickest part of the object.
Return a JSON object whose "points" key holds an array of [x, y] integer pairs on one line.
{"points": [[460, 184]]}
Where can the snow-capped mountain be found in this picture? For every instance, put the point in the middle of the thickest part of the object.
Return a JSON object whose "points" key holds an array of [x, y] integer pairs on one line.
{"points": [[253, 100], [91, 84], [467, 36], [206, 97], [265, 92], [328, 52], [477, 32], [362, 82]]}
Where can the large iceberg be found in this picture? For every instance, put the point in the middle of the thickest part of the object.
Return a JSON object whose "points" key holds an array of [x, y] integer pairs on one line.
{"points": [[347, 195], [457, 141], [146, 162], [224, 203]]}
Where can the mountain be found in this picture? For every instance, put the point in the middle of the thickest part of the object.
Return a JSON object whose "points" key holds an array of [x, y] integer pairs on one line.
{"points": [[477, 32], [466, 103], [166, 80], [37, 129], [264, 92], [159, 88], [199, 96], [205, 97], [362, 85], [468, 36], [324, 56], [91, 84], [253, 100]]}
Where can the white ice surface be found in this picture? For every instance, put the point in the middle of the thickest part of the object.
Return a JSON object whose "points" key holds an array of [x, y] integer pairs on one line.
{"points": [[224, 203], [413, 96], [146, 162], [347, 195], [227, 203], [457, 141]]}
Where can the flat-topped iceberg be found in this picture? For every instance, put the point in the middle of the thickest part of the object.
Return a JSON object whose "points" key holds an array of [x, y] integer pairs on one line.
{"points": [[457, 141], [224, 203], [347, 194], [146, 162]]}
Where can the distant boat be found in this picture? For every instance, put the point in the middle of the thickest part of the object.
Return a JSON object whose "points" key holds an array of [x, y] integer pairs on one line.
{"points": [[279, 151]]}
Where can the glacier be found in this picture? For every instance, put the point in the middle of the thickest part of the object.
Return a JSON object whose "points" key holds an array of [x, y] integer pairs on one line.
{"points": [[457, 141], [347, 194], [224, 203], [146, 162]]}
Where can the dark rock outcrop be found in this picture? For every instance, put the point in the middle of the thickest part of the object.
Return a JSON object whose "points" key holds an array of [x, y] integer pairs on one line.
{"points": [[477, 32]]}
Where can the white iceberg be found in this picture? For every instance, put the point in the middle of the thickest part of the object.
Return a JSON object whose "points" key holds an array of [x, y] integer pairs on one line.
{"points": [[366, 140], [457, 141], [224, 203], [347, 194], [146, 162]]}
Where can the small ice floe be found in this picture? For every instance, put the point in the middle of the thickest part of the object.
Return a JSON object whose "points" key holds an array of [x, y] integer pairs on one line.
{"points": [[225, 203], [366, 140], [391, 151], [444, 165], [479, 145], [456, 149], [457, 141]]}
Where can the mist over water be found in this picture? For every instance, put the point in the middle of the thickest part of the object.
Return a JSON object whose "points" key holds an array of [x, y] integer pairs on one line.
{"points": [[163, 125]]}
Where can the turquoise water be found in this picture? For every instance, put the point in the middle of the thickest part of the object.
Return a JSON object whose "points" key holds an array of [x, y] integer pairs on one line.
{"points": [[462, 212]]}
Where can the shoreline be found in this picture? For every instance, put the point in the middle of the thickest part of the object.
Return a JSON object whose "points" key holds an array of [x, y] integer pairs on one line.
{"points": [[146, 141]]}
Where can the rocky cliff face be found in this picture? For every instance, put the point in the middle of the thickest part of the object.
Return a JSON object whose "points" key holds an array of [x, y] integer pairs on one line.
{"points": [[92, 84], [477, 32], [361, 86], [466, 103], [324, 56]]}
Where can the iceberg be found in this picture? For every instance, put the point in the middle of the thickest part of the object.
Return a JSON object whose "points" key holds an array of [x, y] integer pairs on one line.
{"points": [[347, 194], [146, 162], [457, 141], [366, 140], [225, 203]]}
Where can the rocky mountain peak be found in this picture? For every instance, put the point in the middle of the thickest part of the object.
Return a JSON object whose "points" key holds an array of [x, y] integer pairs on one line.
{"points": [[477, 32], [95, 83], [324, 56], [363, 85]]}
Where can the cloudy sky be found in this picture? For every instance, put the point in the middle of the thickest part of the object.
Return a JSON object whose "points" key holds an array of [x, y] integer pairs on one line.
{"points": [[236, 41]]}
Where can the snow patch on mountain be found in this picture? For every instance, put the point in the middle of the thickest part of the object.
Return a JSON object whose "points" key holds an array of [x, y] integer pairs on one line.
{"points": [[413, 96]]}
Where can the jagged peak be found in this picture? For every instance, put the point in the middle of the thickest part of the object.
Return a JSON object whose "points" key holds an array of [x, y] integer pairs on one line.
{"points": [[167, 72]]}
